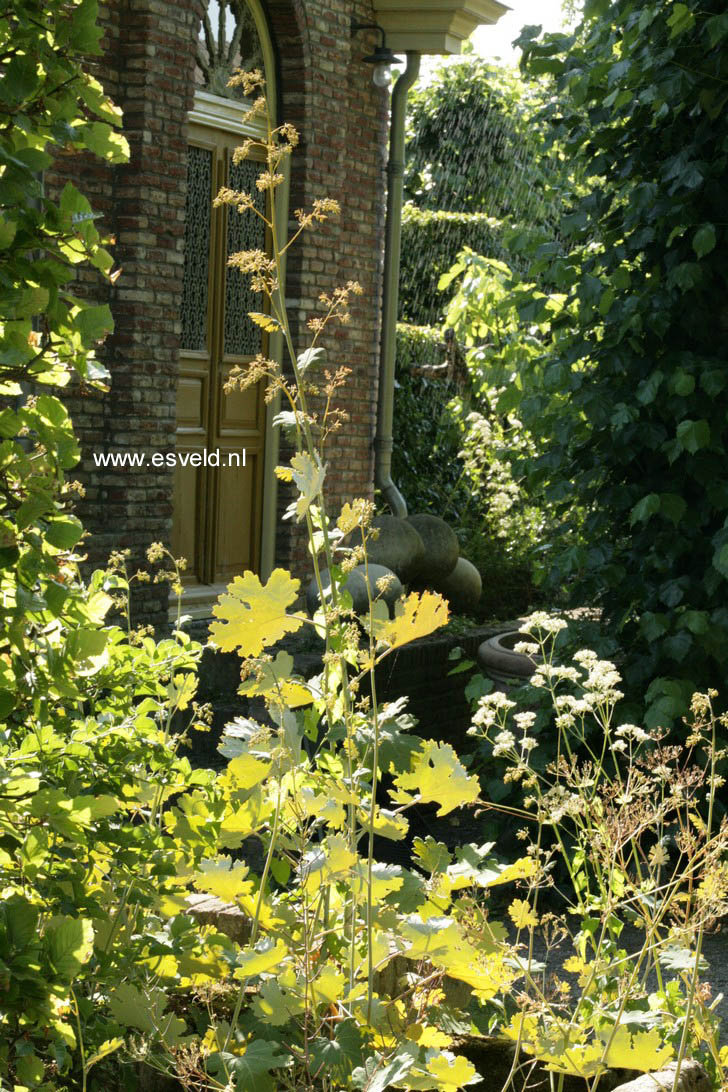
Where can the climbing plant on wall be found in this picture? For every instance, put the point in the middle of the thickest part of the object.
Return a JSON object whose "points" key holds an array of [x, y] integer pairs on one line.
{"points": [[642, 337]]}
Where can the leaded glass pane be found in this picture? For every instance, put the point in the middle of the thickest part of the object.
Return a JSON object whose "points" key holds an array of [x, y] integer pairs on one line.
{"points": [[245, 231], [197, 248], [228, 40]]}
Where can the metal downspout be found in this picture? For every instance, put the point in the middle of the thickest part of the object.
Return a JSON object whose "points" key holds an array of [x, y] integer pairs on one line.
{"points": [[383, 441]]}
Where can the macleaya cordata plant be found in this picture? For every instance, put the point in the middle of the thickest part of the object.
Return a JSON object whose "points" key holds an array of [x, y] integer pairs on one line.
{"points": [[633, 825], [305, 1006]]}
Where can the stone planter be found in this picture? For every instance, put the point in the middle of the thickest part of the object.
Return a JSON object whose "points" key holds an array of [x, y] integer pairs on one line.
{"points": [[502, 664]]}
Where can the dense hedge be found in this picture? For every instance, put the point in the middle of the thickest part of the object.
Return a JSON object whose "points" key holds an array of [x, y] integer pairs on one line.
{"points": [[431, 241]]}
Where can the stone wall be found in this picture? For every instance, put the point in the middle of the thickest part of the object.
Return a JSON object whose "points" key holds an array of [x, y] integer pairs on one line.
{"points": [[327, 92]]}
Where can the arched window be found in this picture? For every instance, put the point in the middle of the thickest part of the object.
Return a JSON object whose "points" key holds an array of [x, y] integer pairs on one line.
{"points": [[228, 40]]}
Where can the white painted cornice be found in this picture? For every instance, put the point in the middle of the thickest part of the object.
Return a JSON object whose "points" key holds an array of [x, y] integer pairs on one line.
{"points": [[434, 26]]}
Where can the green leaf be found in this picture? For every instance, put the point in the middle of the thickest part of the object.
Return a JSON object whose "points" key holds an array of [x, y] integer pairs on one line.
{"points": [[21, 921], [644, 509], [717, 27], [86, 644], [85, 34], [94, 323], [70, 944], [704, 240], [8, 229], [720, 561], [697, 621], [693, 435], [376, 1075], [341, 1054], [682, 383], [681, 20], [431, 856], [30, 511], [64, 532], [105, 141], [252, 1070], [30, 1070], [147, 1013]]}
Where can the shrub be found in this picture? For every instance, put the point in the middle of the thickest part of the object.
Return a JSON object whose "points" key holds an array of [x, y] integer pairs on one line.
{"points": [[88, 758]]}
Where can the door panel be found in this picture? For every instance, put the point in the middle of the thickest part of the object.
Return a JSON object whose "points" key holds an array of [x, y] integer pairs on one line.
{"points": [[237, 541]]}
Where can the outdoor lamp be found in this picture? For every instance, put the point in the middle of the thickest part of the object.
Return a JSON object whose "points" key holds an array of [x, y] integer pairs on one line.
{"points": [[382, 58]]}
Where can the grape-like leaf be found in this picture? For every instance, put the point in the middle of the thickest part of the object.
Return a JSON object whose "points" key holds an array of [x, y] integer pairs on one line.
{"points": [[437, 776], [253, 615]]}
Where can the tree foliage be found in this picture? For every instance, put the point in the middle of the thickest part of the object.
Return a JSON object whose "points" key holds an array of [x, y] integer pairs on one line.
{"points": [[629, 405], [471, 141]]}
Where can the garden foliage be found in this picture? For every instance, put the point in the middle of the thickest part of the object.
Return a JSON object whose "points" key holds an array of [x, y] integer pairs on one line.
{"points": [[477, 179], [628, 405], [352, 973]]}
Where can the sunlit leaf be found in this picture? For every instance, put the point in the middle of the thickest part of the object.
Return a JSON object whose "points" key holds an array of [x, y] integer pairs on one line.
{"points": [[253, 615], [264, 957], [224, 878], [437, 776], [521, 914], [646, 1051], [418, 615]]}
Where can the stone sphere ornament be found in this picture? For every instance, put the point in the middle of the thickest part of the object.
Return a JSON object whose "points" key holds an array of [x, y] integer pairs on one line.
{"points": [[398, 546], [441, 548], [463, 587]]}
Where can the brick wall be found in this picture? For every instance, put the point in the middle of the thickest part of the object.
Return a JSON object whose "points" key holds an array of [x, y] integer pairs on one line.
{"points": [[327, 92]]}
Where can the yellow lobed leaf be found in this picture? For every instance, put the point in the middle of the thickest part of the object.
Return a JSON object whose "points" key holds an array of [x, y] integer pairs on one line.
{"points": [[246, 771], [263, 958], [416, 616], [437, 776], [643, 1050], [349, 518], [385, 880], [328, 986], [333, 859], [266, 322], [274, 678], [521, 914], [425, 1035], [223, 878], [387, 824], [521, 869], [275, 1004], [319, 805], [253, 615], [245, 819], [452, 1071]]}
